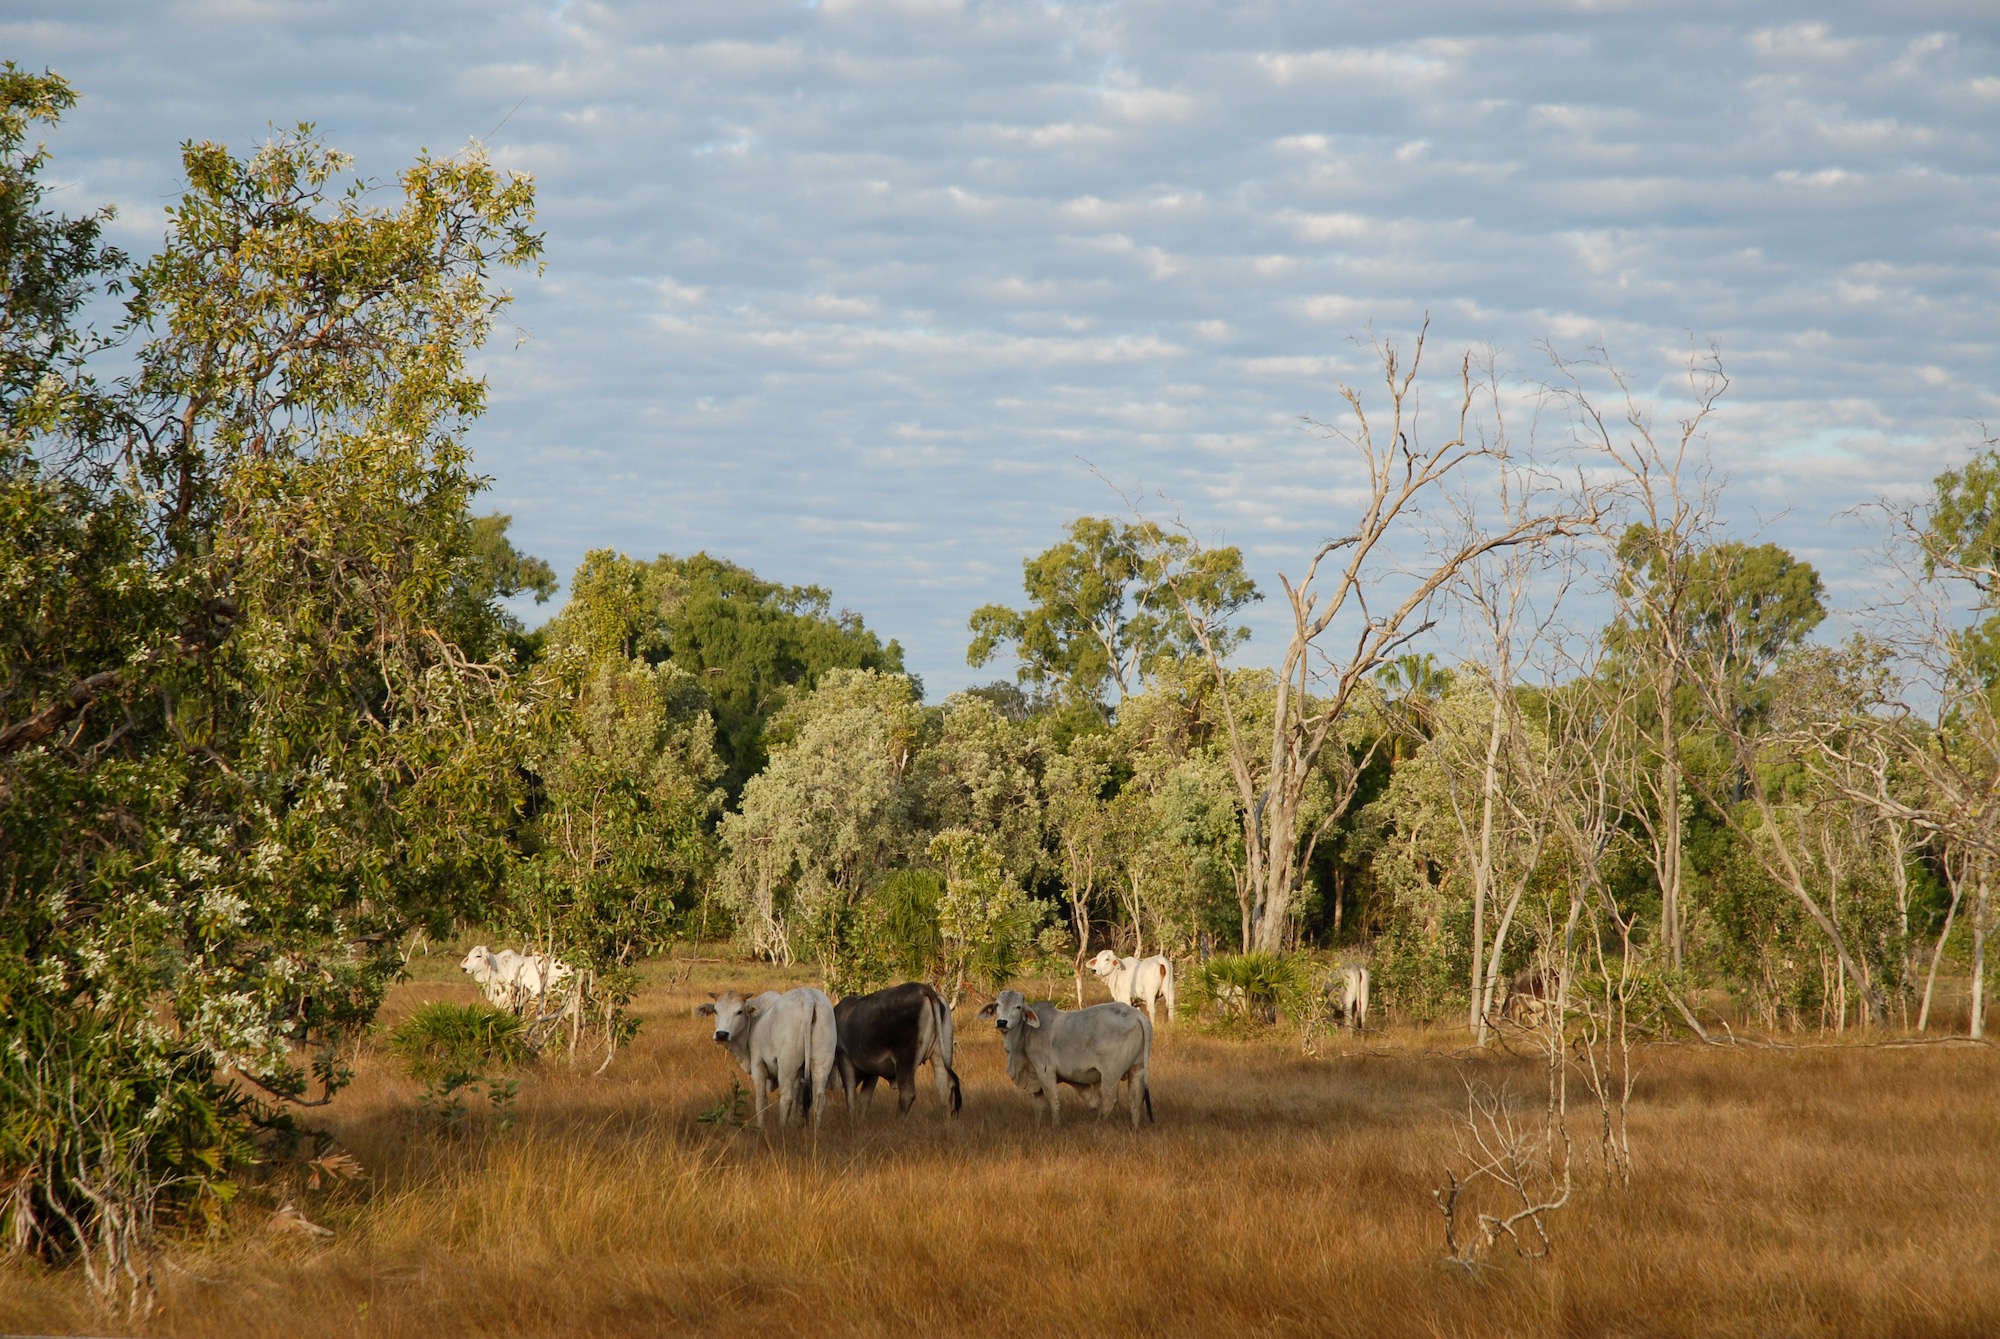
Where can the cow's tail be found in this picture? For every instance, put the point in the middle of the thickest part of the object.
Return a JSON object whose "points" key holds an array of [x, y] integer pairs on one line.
{"points": [[1146, 1070], [934, 1044], [817, 1078]]}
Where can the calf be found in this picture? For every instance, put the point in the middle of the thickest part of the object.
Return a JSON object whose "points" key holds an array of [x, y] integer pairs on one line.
{"points": [[888, 1034], [1091, 1049], [786, 1042], [1137, 980]]}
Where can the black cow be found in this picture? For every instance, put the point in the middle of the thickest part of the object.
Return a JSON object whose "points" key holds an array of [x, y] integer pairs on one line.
{"points": [[886, 1035]]}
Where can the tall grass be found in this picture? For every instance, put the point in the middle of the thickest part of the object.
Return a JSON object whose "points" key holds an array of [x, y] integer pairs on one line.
{"points": [[1843, 1191]]}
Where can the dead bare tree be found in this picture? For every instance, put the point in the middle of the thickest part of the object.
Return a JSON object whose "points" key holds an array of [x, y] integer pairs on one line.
{"points": [[1510, 601], [1518, 1170], [1316, 686], [1587, 782], [1935, 773], [1669, 494]]}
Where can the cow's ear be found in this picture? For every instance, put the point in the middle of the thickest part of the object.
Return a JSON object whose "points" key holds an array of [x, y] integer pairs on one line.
{"points": [[1031, 1018], [708, 1009], [749, 1011], [992, 1007]]}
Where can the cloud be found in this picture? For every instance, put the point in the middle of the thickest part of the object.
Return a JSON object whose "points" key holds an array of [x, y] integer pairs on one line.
{"points": [[862, 293]]}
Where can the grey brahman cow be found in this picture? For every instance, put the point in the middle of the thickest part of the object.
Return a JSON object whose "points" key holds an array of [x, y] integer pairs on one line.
{"points": [[1092, 1049], [786, 1042]]}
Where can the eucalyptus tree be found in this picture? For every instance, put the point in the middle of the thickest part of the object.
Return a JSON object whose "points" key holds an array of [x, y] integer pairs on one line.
{"points": [[614, 850], [1106, 605], [753, 644], [982, 772], [1921, 744], [1372, 600], [1078, 788]]}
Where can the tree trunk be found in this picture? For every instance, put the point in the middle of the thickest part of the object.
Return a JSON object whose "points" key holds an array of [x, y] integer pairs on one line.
{"points": [[1275, 903], [1979, 908], [1482, 868], [1670, 820], [1937, 953]]}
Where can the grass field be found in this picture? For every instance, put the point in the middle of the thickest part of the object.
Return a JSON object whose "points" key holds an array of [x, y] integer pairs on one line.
{"points": [[1842, 1190]]}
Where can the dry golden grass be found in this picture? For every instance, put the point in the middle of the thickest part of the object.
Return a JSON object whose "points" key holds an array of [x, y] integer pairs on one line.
{"points": [[1838, 1191]]}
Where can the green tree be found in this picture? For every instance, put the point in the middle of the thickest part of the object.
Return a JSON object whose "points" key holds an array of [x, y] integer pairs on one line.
{"points": [[615, 850], [835, 810], [987, 923], [984, 773], [242, 744], [752, 643], [1107, 603], [498, 571]]}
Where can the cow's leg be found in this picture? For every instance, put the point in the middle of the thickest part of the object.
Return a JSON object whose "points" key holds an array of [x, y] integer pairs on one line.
{"points": [[867, 1091], [843, 1074], [760, 1081], [788, 1098], [906, 1079], [1053, 1091]]}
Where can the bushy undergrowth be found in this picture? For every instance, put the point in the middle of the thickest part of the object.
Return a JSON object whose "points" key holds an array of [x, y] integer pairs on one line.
{"points": [[104, 1135], [443, 1040], [1250, 985]]}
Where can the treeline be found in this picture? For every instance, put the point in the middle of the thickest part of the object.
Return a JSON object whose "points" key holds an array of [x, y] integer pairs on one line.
{"points": [[1694, 786], [263, 716]]}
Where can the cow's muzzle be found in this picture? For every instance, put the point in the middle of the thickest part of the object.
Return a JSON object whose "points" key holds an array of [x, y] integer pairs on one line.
{"points": [[1000, 1023], [720, 1035]]}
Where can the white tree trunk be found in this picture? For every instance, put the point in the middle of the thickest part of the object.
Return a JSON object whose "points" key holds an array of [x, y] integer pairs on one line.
{"points": [[1979, 909]]}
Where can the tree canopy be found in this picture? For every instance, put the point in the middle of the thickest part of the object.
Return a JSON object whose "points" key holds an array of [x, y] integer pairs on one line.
{"points": [[245, 741], [1109, 603], [750, 643]]}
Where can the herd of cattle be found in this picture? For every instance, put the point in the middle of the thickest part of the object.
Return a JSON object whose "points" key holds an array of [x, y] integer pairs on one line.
{"points": [[799, 1044]]}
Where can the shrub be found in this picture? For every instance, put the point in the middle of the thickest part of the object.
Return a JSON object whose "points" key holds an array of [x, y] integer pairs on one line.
{"points": [[1250, 985], [442, 1041], [907, 906]]}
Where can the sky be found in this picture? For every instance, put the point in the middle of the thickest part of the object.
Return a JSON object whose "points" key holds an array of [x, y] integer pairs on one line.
{"points": [[879, 294]]}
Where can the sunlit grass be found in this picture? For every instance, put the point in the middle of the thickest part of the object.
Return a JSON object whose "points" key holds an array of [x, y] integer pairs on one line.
{"points": [[1836, 1191]]}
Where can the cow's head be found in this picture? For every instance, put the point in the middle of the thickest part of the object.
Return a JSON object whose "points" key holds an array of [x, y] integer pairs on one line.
{"points": [[1105, 963], [731, 1012], [478, 963], [1010, 1010]]}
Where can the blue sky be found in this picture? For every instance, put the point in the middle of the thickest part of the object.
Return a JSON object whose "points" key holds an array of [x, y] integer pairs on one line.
{"points": [[871, 293]]}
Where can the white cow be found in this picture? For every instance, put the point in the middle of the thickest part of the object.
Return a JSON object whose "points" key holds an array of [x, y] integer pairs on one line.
{"points": [[1137, 980], [511, 979], [786, 1042], [495, 972], [1347, 992], [1092, 1050]]}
